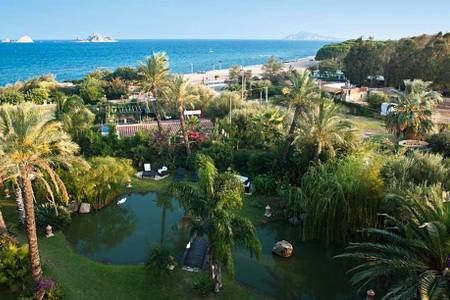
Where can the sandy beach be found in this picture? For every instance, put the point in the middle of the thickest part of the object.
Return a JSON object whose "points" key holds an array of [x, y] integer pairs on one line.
{"points": [[222, 74]]}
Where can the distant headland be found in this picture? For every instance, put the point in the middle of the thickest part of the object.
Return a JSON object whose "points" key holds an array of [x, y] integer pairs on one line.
{"points": [[96, 38]]}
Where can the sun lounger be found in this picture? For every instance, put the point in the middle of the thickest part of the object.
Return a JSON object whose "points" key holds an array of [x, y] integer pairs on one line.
{"points": [[148, 172]]}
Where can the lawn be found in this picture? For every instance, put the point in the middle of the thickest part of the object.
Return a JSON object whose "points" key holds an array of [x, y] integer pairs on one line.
{"points": [[82, 278]]}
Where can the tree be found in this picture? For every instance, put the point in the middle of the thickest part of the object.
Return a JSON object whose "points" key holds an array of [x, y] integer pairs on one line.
{"points": [[324, 129], [410, 254], [153, 76], [31, 145], [412, 117], [214, 201], [272, 69], [178, 92], [363, 60], [115, 88], [301, 93], [91, 90]]}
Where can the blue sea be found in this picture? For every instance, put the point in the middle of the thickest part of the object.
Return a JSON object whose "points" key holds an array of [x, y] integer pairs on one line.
{"points": [[70, 60]]}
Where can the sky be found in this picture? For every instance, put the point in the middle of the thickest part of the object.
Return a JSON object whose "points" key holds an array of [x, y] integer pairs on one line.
{"points": [[225, 19]]}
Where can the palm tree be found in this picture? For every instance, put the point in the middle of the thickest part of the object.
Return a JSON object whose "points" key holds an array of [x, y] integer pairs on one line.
{"points": [[302, 92], [153, 73], [324, 128], [212, 204], [178, 91], [410, 254], [412, 117], [31, 145]]}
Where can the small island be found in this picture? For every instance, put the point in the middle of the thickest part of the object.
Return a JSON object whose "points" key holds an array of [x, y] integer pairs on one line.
{"points": [[96, 38], [23, 40]]}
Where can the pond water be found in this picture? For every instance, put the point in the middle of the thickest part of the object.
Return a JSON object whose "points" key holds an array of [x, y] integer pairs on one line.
{"points": [[123, 234]]}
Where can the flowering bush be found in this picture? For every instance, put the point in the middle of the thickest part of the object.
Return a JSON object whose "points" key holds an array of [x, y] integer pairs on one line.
{"points": [[198, 137], [48, 287]]}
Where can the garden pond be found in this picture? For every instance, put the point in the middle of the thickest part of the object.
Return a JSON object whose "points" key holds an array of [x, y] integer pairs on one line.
{"points": [[124, 234]]}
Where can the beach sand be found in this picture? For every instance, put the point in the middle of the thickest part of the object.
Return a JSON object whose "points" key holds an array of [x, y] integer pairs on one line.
{"points": [[222, 74]]}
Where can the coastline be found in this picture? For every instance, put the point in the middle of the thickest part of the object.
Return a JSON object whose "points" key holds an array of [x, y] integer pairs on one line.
{"points": [[222, 74]]}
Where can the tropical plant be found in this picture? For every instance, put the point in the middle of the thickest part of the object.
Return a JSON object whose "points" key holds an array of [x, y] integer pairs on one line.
{"points": [[178, 92], [412, 117], [203, 284], [323, 128], [11, 96], [264, 185], [101, 183], [410, 254], [56, 216], [153, 78], [158, 261], [301, 94], [31, 145], [214, 201], [339, 197]]}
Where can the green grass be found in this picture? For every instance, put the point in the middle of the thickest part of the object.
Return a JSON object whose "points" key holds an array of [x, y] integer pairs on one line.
{"points": [[82, 278], [368, 126]]}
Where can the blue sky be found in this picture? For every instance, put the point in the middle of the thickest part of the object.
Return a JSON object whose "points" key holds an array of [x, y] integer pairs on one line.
{"points": [[239, 19]]}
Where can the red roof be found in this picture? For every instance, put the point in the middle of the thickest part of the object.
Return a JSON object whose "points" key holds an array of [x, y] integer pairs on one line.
{"points": [[170, 126]]}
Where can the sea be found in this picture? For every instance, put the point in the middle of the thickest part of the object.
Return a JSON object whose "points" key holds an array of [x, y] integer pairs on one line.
{"points": [[70, 60]]}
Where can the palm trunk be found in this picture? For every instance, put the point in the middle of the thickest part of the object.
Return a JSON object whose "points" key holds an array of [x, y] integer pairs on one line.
{"points": [[183, 130], [158, 117], [19, 203], [290, 136], [318, 151], [3, 228], [217, 276], [36, 271]]}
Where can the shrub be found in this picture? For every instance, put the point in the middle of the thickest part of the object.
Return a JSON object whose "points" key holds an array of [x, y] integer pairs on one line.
{"points": [[47, 214], [221, 153], [48, 287], [261, 162], [417, 168], [11, 96], [203, 284], [14, 264], [264, 185], [158, 261], [376, 99], [240, 160], [440, 143]]}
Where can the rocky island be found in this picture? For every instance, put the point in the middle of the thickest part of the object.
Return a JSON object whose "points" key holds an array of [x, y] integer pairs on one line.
{"points": [[96, 38]]}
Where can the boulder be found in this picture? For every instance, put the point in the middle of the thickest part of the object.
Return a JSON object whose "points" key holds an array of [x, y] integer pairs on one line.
{"points": [[283, 248], [73, 206], [85, 208]]}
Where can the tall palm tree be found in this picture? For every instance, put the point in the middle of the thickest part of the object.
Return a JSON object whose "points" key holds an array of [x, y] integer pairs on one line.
{"points": [[178, 91], [213, 204], [412, 117], [153, 73], [302, 92], [31, 145], [324, 128], [410, 254]]}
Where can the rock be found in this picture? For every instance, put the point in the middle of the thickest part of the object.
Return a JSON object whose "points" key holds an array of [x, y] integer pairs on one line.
{"points": [[73, 206], [85, 208], [283, 248]]}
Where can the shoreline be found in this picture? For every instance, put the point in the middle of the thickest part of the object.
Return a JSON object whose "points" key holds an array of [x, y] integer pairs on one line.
{"points": [[222, 74]]}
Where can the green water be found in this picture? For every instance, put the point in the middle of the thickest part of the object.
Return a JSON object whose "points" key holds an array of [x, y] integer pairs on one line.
{"points": [[123, 234]]}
